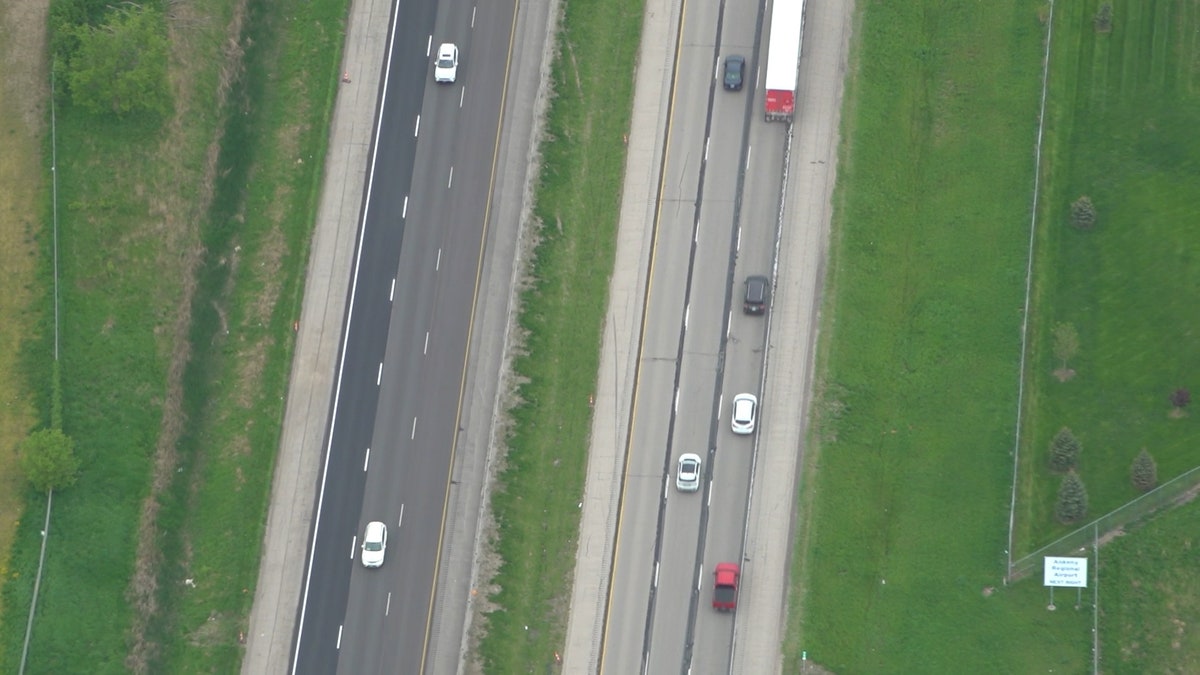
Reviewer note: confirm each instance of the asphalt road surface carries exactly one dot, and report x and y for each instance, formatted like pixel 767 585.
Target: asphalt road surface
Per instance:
pixel 397 403
pixel 719 204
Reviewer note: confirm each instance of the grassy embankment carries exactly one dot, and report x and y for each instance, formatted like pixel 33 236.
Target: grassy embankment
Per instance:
pixel 577 202
pixel 218 199
pixel 900 544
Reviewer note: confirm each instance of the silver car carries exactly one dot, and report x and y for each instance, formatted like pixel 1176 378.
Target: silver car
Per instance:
pixel 745 410
pixel 687 476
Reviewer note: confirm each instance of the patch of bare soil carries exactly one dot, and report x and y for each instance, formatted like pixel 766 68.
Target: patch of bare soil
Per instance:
pixel 1064 374
pixel 180 203
pixel 24 94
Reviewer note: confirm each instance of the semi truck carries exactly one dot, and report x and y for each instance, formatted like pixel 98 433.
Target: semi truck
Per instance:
pixel 725 586
pixel 783 59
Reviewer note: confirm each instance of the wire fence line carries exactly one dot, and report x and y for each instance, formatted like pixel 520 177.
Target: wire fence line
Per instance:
pixel 1175 491
pixel 55 420
pixel 1037 172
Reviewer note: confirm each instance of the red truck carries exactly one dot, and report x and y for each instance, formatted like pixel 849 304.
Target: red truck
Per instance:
pixel 725 586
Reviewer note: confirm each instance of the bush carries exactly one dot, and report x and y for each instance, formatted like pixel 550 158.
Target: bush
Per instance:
pixel 120 67
pixel 48 460
pixel 1144 472
pixel 1083 213
pixel 1103 18
pixel 1181 397
pixel 1072 499
pixel 1064 450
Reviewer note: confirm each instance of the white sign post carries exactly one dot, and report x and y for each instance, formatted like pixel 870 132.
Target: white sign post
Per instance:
pixel 1064 572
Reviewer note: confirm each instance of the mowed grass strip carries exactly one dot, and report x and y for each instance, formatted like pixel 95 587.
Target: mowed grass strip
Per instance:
pixel 901 544
pixel 1126 106
pixel 536 502
pixel 23 95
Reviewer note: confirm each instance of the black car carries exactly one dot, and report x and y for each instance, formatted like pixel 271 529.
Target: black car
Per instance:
pixel 735 71
pixel 758 292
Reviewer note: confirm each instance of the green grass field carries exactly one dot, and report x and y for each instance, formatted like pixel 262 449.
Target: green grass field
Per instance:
pixel 578 201
pixel 1122 129
pixel 135 200
pixel 1150 597
pixel 908 477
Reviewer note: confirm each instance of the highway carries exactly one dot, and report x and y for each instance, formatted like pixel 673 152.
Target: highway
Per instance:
pixel 396 411
pixel 718 205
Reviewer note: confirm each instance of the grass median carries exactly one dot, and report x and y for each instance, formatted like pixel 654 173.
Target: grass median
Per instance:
pixel 578 199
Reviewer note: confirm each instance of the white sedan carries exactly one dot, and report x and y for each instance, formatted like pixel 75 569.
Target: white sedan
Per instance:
pixel 687 477
pixel 445 68
pixel 374 544
pixel 745 410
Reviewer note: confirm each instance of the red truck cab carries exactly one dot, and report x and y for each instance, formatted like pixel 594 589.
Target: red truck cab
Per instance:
pixel 725 586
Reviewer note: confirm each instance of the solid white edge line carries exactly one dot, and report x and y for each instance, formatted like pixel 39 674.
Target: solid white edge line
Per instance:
pixel 342 361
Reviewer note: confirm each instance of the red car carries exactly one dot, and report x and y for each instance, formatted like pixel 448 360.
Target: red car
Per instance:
pixel 725 586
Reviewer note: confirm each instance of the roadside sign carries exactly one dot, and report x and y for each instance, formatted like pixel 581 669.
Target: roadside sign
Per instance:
pixel 1065 572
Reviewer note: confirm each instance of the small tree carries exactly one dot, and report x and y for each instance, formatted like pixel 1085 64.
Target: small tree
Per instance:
pixel 1072 499
pixel 48 460
pixel 1144 472
pixel 1083 213
pixel 1181 397
pixel 1064 450
pixel 1103 19
pixel 1066 346
pixel 120 67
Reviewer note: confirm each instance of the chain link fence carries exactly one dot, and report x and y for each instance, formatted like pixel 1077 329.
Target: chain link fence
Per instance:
pixel 1175 491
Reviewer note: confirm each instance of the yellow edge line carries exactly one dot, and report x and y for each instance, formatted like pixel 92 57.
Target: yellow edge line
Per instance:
pixel 642 339
pixel 462 384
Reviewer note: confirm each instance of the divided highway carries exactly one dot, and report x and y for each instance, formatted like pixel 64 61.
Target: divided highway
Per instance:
pixel 718 209
pixel 396 409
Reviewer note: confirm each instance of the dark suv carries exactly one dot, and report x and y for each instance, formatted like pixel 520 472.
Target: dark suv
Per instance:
pixel 735 71
pixel 758 293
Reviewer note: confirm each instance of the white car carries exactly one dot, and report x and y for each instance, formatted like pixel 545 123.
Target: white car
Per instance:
pixel 687 476
pixel 745 409
pixel 445 68
pixel 374 544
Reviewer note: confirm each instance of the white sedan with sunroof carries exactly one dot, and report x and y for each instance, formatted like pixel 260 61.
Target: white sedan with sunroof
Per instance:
pixel 745 410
